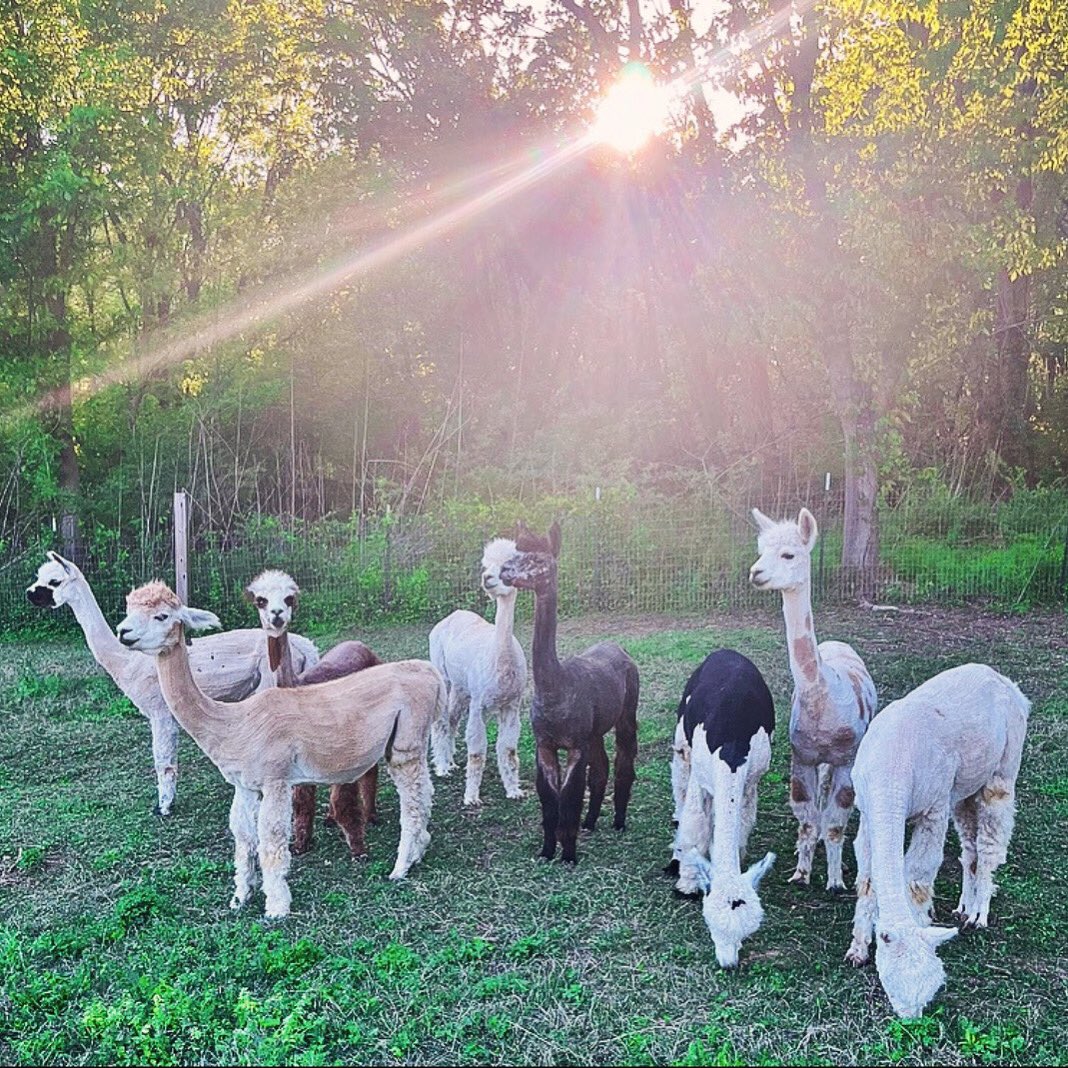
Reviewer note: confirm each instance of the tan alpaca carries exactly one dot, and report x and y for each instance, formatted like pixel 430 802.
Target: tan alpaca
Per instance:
pixel 328 733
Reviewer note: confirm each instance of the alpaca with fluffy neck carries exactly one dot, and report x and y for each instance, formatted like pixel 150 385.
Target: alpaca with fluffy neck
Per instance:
pixel 329 733
pixel 228 667
pixel 833 703
pixel 352 805
pixel 951 748
pixel 485 672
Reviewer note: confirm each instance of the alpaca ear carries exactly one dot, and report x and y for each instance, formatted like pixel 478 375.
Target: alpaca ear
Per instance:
pixel 249 595
pixel 554 537
pixel 761 868
pixel 762 521
pixel 198 618
pixel 935 936
pixel 806 523
pixel 704 870
pixel 65 564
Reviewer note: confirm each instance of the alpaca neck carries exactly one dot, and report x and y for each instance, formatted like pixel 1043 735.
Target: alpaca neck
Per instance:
pixel 203 719
pixel 727 818
pixel 107 650
pixel 279 653
pixel 885 820
pixel 805 664
pixel 503 630
pixel 546 664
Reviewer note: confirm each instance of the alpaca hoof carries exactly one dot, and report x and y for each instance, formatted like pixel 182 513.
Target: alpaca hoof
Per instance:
pixel 298 849
pixel 396 875
pixel 588 826
pixel 329 821
pixel 857 957
pixel 800 877
pixel 516 795
pixel 236 903
pixel 836 888
pixel 163 810
pixel 275 917
pixel 360 856
pixel 671 868
pixel 473 802
pixel 619 825
pixel 373 819
pixel 686 895
pixel 573 861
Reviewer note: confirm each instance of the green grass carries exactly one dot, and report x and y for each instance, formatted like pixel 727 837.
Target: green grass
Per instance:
pixel 117 945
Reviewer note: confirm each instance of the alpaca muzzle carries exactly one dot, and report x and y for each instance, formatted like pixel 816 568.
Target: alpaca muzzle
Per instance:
pixel 41 596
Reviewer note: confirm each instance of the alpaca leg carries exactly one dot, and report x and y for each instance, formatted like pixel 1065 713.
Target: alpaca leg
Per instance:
pixel 303 817
pixel 273 825
pixel 966 820
pixel 477 744
pixel 680 770
pixel 864 913
pixel 368 783
pixel 508 750
pixel 997 814
pixel 626 752
pixel 548 786
pixel 694 833
pixel 351 818
pixel 443 732
pixel 243 812
pixel 164 757
pixel 749 816
pixel 598 775
pixel 572 792
pixel 836 813
pixel 414 792
pixel 923 858
pixel 804 803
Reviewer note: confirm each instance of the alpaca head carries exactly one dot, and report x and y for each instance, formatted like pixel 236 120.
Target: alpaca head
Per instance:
pixel 155 616
pixel 731 907
pixel 274 594
pixel 54 584
pixel 908 965
pixel 785 560
pixel 533 567
pixel 496 554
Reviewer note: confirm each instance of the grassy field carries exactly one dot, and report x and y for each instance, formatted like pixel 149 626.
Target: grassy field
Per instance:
pixel 117 945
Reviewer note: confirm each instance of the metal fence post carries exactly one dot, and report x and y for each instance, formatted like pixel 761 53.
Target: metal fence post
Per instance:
pixel 181 546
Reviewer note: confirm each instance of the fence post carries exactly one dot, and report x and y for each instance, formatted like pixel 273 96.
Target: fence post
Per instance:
pixel 181 545
pixel 1064 565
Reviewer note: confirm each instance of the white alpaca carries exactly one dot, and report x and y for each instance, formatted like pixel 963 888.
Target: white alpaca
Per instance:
pixel 833 703
pixel 328 733
pixel 951 747
pixel 229 666
pixel 485 673
pixel 726 719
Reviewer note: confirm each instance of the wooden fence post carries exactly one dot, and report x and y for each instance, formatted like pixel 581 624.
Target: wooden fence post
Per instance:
pixel 181 546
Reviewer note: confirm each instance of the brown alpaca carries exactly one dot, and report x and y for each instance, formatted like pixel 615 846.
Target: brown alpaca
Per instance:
pixel 352 805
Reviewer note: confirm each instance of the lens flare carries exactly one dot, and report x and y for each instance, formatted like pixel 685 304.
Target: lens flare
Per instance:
pixel 633 110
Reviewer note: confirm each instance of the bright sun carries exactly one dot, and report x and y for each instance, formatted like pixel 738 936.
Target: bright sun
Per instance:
pixel 632 111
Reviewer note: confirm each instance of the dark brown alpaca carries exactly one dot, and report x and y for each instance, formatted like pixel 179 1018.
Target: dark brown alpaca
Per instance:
pixel 352 805
pixel 576 702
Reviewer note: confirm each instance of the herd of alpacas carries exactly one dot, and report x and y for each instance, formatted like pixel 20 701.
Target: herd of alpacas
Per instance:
pixel 277 720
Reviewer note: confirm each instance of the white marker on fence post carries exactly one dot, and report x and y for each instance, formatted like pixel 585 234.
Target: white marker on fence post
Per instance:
pixel 181 546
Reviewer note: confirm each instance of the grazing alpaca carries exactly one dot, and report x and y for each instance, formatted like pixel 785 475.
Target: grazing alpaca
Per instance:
pixel 263 746
pixel 951 747
pixel 352 805
pixel 833 703
pixel 726 719
pixel 575 703
pixel 227 666
pixel 485 672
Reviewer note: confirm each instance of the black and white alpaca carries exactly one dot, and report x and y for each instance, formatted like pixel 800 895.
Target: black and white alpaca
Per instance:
pixel 576 702
pixel 722 749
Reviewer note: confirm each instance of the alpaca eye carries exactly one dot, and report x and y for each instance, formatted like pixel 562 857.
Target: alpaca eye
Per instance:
pixel 787 556
pixel 261 602
pixel 290 600
pixel 54 582
pixel 162 618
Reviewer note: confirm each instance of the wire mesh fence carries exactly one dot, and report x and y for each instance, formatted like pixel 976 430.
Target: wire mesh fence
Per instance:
pixel 621 557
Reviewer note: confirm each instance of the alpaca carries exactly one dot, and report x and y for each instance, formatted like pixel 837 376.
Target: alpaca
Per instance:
pixel 228 666
pixel 950 747
pixel 485 672
pixel 263 746
pixel 833 703
pixel 352 805
pixel 726 719
pixel 575 703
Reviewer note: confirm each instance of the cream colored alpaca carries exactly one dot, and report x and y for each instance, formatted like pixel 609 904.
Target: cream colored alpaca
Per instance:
pixel 327 733
pixel 949 748
pixel 834 698
pixel 229 666
pixel 486 672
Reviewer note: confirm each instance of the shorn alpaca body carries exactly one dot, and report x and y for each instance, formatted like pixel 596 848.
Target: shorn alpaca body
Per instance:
pixel 833 703
pixel 576 702
pixel 352 805
pixel 726 719
pixel 228 667
pixel 951 748
pixel 485 672
pixel 263 746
